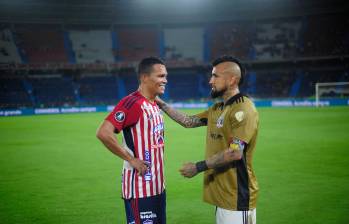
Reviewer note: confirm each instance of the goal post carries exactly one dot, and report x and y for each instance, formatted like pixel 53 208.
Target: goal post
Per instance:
pixel 330 89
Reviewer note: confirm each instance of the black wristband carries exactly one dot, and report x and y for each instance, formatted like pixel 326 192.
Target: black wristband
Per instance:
pixel 201 166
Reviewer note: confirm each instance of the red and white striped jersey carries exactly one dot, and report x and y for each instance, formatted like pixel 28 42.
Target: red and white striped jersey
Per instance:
pixel 142 125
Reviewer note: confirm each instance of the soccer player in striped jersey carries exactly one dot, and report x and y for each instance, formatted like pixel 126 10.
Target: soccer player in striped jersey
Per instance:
pixel 138 117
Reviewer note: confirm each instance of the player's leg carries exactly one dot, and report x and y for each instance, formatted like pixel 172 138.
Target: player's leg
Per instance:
pixel 132 214
pixel 224 216
pixel 161 208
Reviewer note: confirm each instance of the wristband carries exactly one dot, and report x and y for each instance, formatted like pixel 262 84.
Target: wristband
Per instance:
pixel 201 166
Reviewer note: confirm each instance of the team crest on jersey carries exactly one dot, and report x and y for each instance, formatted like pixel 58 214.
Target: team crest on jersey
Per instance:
pixel 239 116
pixel 119 116
pixel 160 140
pixel 220 121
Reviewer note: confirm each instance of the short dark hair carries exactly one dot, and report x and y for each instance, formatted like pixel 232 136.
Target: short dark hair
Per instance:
pixel 145 66
pixel 227 58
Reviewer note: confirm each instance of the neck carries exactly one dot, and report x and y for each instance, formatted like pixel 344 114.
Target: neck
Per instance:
pixel 230 93
pixel 144 92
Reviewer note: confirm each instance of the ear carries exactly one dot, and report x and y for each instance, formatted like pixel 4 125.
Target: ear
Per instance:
pixel 143 78
pixel 233 80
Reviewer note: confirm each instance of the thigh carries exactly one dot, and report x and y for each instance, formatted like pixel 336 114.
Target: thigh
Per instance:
pixel 224 216
pixel 150 210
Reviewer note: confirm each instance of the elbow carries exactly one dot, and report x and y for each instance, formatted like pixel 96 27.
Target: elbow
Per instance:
pixel 100 135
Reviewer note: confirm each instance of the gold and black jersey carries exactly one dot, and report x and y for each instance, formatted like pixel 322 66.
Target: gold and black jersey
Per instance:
pixel 234 186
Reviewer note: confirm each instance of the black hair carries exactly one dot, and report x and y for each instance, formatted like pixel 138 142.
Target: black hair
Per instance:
pixel 227 58
pixel 146 65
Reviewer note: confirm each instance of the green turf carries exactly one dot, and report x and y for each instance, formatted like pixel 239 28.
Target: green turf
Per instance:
pixel 53 170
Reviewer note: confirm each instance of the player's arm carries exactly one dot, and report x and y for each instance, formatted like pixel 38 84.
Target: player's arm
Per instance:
pixel 234 152
pixel 187 121
pixel 106 135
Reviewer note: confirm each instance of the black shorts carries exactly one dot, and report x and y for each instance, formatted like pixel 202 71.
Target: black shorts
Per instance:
pixel 149 210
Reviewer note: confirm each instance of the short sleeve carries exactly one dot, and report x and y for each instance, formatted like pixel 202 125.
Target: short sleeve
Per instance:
pixel 123 115
pixel 243 124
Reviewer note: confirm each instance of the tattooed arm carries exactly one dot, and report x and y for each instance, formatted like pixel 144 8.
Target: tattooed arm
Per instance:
pixel 183 119
pixel 223 158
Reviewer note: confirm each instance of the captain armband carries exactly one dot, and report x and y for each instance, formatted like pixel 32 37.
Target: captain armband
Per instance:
pixel 237 145
pixel 201 166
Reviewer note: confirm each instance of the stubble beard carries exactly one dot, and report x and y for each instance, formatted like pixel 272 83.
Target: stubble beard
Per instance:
pixel 219 93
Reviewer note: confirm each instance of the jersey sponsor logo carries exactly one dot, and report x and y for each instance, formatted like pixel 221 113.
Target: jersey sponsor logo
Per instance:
pixel 148 215
pixel 119 116
pixel 216 136
pixel 220 121
pixel 147 157
pixel 158 128
pixel 148 221
pixel 239 116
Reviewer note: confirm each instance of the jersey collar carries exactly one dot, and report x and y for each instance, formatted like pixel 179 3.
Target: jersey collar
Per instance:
pixel 236 98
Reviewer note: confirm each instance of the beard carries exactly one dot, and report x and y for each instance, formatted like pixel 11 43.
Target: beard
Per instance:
pixel 219 93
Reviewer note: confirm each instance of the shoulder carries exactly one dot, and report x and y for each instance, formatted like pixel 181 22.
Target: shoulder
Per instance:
pixel 241 102
pixel 216 106
pixel 242 109
pixel 131 101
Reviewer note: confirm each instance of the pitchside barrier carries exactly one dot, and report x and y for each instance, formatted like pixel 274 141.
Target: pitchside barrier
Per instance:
pixel 179 105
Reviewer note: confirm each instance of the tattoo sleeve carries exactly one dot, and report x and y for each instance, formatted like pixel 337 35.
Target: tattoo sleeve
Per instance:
pixel 223 158
pixel 181 118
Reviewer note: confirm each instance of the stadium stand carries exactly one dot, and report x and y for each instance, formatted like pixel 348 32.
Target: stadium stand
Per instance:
pixel 128 79
pixel 322 38
pixel 285 57
pixel 42 46
pixel 275 84
pixel 232 38
pixel 8 48
pixel 312 77
pixel 184 43
pixel 97 89
pixel 137 43
pixel 276 40
pixel 13 94
pixel 52 90
pixel 92 46
pixel 187 85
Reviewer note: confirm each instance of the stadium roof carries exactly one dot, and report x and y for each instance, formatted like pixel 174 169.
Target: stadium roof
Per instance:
pixel 158 11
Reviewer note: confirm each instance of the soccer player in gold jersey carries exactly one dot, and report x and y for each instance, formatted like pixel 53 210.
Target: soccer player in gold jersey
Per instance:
pixel 232 127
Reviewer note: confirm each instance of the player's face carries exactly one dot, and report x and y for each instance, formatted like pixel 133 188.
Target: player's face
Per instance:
pixel 218 82
pixel 157 79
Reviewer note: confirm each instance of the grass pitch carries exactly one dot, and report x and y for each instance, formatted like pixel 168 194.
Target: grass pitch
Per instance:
pixel 54 170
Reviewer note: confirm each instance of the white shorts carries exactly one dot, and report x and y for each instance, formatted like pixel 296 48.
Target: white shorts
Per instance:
pixel 224 216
